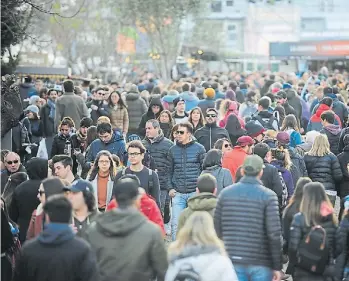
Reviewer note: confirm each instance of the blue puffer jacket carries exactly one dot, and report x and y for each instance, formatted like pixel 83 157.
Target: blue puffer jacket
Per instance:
pixel 115 146
pixel 185 166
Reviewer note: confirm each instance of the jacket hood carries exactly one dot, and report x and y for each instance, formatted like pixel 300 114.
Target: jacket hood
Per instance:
pixel 202 202
pixel 117 136
pixel 194 251
pixel 37 168
pixel 155 100
pixel 120 222
pixel 56 233
pixel 333 129
pixel 321 108
pixel 290 94
pixel 132 96
pixel 189 96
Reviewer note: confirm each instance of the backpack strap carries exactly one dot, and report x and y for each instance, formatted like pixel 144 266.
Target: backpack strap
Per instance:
pixel 150 179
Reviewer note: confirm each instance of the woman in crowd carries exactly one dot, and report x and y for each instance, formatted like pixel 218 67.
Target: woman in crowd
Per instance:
pixel 342 244
pixel 198 247
pixel 13 181
pixel 290 125
pixel 102 178
pixel 249 107
pixel 308 143
pixel 233 126
pixel 66 129
pixel 323 166
pixel 166 123
pixel 223 145
pixel 174 132
pixel 315 210
pixel 196 118
pixel 47 188
pixel 117 112
pixel 213 165
pixel 227 108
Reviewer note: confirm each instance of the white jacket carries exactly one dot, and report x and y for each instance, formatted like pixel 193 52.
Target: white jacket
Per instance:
pixel 109 189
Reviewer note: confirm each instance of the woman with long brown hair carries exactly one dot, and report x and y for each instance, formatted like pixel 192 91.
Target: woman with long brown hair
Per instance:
pixel 196 118
pixel 290 125
pixel 166 123
pixel 315 219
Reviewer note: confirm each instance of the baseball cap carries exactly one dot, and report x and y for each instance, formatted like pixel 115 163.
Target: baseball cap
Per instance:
pixel 32 108
pixel 79 186
pixel 177 100
pixel 253 164
pixel 283 138
pixel 245 140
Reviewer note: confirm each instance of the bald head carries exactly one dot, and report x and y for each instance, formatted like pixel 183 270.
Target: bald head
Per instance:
pixel 12 162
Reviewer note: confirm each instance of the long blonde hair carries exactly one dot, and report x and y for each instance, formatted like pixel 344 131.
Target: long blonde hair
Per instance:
pixel 313 196
pixel 320 147
pixel 198 230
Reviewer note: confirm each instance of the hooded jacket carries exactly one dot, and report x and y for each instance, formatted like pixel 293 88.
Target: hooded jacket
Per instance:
pixel 233 126
pixel 25 199
pixel 315 120
pixel 344 132
pixel 204 201
pixel 338 107
pixel 207 261
pixel 140 254
pixel 343 159
pixel 58 144
pixel 209 134
pixel 155 100
pixel 73 258
pixel 136 107
pixel 191 100
pixel 333 134
pixel 222 175
pixel 295 101
pixel 115 146
pixel 233 159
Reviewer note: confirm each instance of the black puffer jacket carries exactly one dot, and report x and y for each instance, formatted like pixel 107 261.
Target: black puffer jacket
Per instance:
pixel 185 166
pixel 324 169
pixel 333 134
pixel 209 134
pixel 253 237
pixel 342 247
pixel 297 232
pixel 155 100
pixel 58 144
pixel 298 168
pixel 158 150
pixel 344 132
pixel 343 159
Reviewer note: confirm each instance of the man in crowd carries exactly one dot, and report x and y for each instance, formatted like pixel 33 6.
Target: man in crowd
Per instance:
pixel 185 165
pixel 108 139
pixel 148 178
pixel 154 111
pixel 179 115
pixel 233 159
pixel 209 101
pixel 61 141
pixel 141 253
pixel 210 132
pixel 255 131
pixel 189 96
pixel 63 168
pixel 13 165
pixel 235 226
pixel 331 130
pixel 73 258
pixel 281 99
pixel 264 117
pixel 96 106
pixel 204 200
pixel 71 105
pixel 158 146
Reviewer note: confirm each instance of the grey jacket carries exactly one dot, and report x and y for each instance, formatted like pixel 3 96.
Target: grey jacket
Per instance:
pixel 70 105
pixel 205 261
pixel 222 175
pixel 136 107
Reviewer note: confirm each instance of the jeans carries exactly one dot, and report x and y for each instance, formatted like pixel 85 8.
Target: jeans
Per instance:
pixel 253 273
pixel 179 203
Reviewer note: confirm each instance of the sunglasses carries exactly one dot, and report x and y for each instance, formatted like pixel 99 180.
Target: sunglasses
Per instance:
pixel 227 145
pixel 41 192
pixel 180 132
pixel 211 115
pixel 12 162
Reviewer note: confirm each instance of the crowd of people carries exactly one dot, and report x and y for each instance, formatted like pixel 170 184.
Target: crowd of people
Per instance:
pixel 241 172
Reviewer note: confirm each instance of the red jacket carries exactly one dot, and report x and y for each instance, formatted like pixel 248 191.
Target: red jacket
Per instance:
pixel 316 118
pixel 233 159
pixel 148 208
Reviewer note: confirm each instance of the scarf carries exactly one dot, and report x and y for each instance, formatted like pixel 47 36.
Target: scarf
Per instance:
pixel 52 107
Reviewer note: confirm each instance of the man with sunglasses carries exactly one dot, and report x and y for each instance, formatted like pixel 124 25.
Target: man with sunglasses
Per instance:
pixel 210 133
pixel 13 165
pixel 185 166
pixel 96 105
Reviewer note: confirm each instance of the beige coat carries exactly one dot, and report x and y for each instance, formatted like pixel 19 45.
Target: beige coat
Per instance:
pixel 119 118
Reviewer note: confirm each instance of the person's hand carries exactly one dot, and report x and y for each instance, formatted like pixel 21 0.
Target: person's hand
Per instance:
pixel 75 229
pixel 94 107
pixel 277 275
pixel 172 193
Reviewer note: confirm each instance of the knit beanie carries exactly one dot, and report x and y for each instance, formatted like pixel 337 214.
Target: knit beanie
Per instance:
pixel 210 93
pixel 33 99
pixel 134 89
pixel 254 129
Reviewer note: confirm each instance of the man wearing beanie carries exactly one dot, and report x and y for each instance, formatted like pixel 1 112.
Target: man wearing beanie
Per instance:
pixel 255 131
pixel 179 116
pixel 208 102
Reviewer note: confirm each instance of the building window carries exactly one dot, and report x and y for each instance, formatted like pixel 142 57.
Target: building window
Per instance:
pixel 216 6
pixel 230 3
pixel 231 27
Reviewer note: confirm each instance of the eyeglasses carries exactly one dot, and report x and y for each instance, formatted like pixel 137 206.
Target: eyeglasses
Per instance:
pixel 180 132
pixel 104 161
pixel 134 154
pixel 41 192
pixel 211 115
pixel 227 145
pixel 12 162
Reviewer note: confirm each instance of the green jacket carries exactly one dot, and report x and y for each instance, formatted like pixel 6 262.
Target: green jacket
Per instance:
pixel 204 201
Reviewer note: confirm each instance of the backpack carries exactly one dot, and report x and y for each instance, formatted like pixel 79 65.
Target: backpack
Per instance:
pixel 284 190
pixel 150 178
pixel 267 123
pixel 187 273
pixel 313 251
